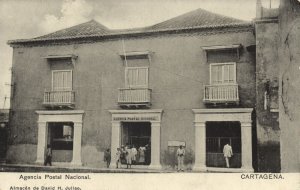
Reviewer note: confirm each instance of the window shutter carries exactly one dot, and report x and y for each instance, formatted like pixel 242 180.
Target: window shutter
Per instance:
pixel 216 72
pixel 136 77
pixel 214 75
pixel 62 80
pixel 222 73
pixel 231 73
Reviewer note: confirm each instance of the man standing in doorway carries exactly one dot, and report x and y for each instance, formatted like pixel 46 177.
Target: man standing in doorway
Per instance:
pixel 128 154
pixel 147 154
pixel 227 151
pixel 118 158
pixel 180 157
pixel 134 153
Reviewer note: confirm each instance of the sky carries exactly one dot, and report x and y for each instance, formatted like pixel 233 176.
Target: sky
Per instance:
pixel 21 19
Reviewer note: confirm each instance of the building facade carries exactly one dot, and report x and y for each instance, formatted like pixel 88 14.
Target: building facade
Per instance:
pixel 267 85
pixel 192 80
pixel 277 50
pixel 289 22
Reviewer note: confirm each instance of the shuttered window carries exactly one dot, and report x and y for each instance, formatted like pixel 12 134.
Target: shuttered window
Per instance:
pixel 61 80
pixel 136 77
pixel 223 73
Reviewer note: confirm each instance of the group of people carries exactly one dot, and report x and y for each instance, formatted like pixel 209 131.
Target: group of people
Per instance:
pixel 130 155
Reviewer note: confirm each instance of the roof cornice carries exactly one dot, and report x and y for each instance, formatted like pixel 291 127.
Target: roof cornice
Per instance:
pixel 248 26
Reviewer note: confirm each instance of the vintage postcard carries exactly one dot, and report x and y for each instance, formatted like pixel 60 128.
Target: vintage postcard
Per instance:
pixel 140 94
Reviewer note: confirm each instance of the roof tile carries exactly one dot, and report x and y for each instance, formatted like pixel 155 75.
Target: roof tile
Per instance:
pixel 85 29
pixel 195 19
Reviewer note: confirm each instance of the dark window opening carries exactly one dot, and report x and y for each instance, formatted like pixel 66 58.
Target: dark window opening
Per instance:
pixel 219 134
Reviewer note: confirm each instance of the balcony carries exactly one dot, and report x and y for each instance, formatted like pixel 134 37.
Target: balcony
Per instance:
pixel 59 99
pixel 134 97
pixel 221 94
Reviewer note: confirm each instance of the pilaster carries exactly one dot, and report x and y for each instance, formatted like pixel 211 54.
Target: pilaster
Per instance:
pixel 77 144
pixel 155 146
pixel 246 133
pixel 115 141
pixel 42 142
pixel 200 147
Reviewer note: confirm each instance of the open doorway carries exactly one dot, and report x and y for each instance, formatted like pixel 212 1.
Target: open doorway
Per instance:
pixel 217 135
pixel 137 135
pixel 60 137
pixel 3 142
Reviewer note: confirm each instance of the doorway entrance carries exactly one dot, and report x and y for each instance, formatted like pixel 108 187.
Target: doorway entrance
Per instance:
pixel 3 142
pixel 137 135
pixel 60 137
pixel 219 134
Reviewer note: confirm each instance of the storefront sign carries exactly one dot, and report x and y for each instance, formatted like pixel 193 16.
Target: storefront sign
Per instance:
pixel 136 118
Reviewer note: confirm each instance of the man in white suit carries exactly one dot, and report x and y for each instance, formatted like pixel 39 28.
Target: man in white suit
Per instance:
pixel 227 151
pixel 180 157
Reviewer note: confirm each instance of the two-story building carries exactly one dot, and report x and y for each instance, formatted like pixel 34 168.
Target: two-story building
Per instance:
pixel 190 81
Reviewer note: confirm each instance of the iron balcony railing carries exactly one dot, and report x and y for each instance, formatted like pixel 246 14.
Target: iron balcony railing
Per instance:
pixel 134 96
pixel 224 93
pixel 59 98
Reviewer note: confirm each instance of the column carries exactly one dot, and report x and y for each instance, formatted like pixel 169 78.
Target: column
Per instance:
pixel 246 146
pixel 200 147
pixel 115 142
pixel 41 145
pixel 155 146
pixel 77 144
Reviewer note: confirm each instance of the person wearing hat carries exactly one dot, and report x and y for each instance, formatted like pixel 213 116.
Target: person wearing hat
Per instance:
pixel 180 157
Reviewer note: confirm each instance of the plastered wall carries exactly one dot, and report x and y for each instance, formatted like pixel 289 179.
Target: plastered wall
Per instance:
pixel 178 71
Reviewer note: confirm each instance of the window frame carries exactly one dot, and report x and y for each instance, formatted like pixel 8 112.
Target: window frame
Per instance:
pixel 136 86
pixel 222 64
pixel 52 80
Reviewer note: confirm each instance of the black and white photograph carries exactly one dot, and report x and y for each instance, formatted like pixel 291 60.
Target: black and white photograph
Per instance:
pixel 141 94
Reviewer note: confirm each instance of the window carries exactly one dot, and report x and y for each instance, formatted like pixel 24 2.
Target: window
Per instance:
pixel 136 77
pixel 222 73
pixel 61 136
pixel 61 80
